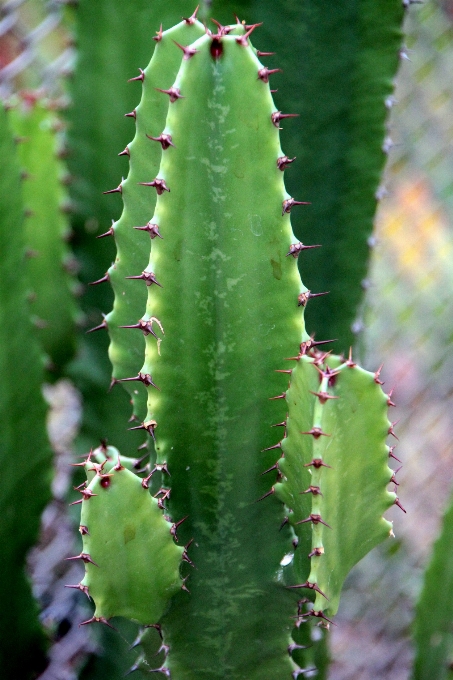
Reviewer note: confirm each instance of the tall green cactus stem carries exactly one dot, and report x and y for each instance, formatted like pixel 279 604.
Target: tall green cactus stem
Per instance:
pixel 338 69
pixel 432 625
pixel 25 456
pixel 224 285
pixel 50 266
pixel 126 349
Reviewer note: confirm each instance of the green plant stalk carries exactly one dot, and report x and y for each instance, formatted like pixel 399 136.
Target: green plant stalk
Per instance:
pixel 113 39
pixel 50 274
pixel 224 286
pixel 25 456
pixel 432 632
pixel 338 69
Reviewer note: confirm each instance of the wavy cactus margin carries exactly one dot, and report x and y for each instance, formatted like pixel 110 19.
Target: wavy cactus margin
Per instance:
pixel 223 283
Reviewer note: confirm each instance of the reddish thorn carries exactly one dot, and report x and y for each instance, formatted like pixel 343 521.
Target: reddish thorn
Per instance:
pixel 277 116
pixel 83 463
pixel 316 432
pixel 105 278
pixel 280 396
pixel 390 430
pixel 269 448
pixel 184 587
pixel 98 328
pixel 282 370
pixel 392 455
pixel 84 530
pixel 320 615
pixel 274 467
pixel 296 248
pixel 315 490
pixel 316 552
pixel 389 398
pixel 163 139
pixel 326 372
pixel 284 161
pixel 393 477
pixel 145 378
pixel 87 494
pixel 264 73
pixel 84 557
pixel 264 54
pixel 158 184
pixel 315 519
pixel 118 190
pixel 140 77
pixel 311 586
pixel 223 30
pixel 148 277
pixel 282 424
pixel 146 325
pixel 303 298
pixel 125 152
pixel 174 527
pixel 132 114
pixel 273 91
pixel 377 374
pixel 149 426
pixel 188 51
pixel 323 396
pixel 317 463
pixel 158 36
pixel 83 589
pixel 173 92
pixel 97 619
pixel 269 493
pixel 191 20
pixel 109 232
pixel 285 521
pixel 157 627
pixel 350 363
pixel 152 229
pixel 397 502
pixel 288 203
pixel 242 39
pixel 113 382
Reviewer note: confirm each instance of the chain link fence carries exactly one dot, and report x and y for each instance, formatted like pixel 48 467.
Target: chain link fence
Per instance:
pixel 408 322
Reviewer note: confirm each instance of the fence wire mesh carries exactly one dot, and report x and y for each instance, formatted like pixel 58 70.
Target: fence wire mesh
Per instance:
pixel 35 50
pixel 408 326
pixel 407 317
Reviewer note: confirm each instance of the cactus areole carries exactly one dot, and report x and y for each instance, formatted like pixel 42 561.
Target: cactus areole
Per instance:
pixel 259 494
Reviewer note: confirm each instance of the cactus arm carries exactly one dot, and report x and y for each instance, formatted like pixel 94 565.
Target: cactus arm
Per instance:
pixel 432 624
pixel 25 457
pixel 337 73
pixel 335 442
pixel 223 215
pixel 131 561
pixel 126 348
pixel 51 285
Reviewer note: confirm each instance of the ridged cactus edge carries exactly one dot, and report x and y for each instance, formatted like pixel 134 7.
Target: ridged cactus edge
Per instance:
pixel 271 522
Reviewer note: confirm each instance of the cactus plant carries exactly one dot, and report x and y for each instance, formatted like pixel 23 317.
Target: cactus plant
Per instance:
pixel 25 456
pixel 225 308
pixel 432 624
pixel 51 266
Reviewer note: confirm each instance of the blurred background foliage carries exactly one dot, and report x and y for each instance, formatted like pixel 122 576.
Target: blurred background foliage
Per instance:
pixel 405 321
